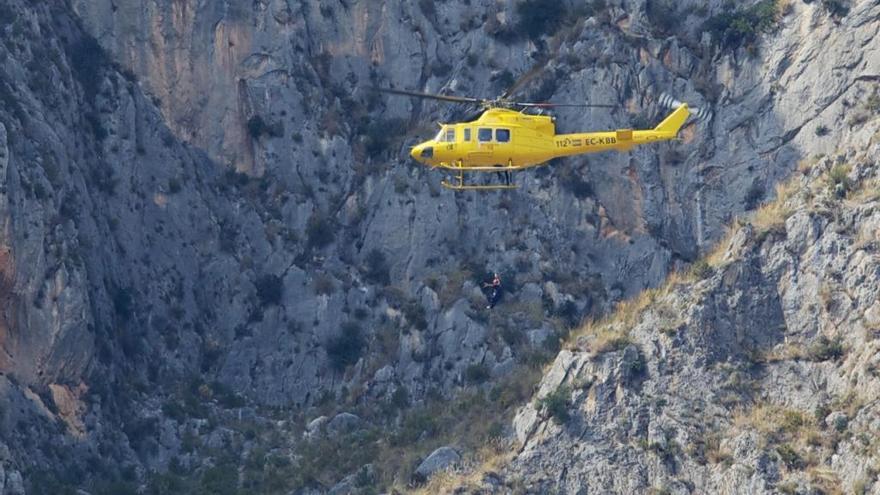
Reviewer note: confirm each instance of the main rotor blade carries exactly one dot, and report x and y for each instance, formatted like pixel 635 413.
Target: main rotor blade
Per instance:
pixel 552 105
pixel 417 94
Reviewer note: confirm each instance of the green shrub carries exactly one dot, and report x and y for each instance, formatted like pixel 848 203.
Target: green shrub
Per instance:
pixel 826 349
pixel 258 127
pixel 323 285
pixel 536 18
pixel 378 135
pixel 319 231
pixel 226 397
pixel 376 268
pixel 735 29
pixel 637 367
pixel 7 16
pixel 556 403
pixel 476 373
pixel 122 303
pixel 821 412
pixel 790 457
pixel 504 80
pixel 269 289
pixel 345 349
pixel 576 184
pixel 400 398
pixel 840 424
pixel 174 186
pixel 220 480
pixel 88 59
pixel 415 314
pixel 701 270
pixel 872 104
pixel 838 178
pixel 754 196
pixel 512 336
pixel 664 15
pixel 837 8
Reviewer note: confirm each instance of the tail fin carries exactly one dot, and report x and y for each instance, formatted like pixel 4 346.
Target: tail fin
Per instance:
pixel 674 121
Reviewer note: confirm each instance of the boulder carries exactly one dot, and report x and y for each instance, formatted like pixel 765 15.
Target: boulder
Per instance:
pixel 440 459
pixel 343 423
pixel 315 427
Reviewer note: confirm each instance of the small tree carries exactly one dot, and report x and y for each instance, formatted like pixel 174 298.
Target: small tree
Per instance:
pixel 556 404
pixel 345 349
pixel 536 18
pixel 269 289
pixel 476 373
pixel 376 268
pixel 319 231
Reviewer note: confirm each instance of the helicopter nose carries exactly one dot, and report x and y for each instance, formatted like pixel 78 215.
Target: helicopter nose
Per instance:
pixel 414 153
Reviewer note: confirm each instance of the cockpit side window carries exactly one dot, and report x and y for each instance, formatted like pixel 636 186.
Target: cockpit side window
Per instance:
pixel 450 135
pixel 484 134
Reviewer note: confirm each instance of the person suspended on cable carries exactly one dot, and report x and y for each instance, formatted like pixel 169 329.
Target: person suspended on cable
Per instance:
pixel 495 293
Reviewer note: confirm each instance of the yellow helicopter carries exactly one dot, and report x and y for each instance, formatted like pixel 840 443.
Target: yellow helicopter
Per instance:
pixel 506 140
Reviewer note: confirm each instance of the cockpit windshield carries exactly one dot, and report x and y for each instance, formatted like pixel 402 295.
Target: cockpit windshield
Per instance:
pixel 446 135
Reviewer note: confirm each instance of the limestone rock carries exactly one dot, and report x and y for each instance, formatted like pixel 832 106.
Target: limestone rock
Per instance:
pixel 440 459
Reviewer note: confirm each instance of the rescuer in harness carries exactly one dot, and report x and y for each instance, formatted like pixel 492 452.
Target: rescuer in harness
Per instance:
pixel 494 294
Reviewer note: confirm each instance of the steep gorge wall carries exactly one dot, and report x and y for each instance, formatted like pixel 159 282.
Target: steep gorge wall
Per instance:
pixel 138 262
pixel 596 228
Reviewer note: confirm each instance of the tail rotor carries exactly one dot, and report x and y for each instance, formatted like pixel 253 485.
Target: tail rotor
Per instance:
pixel 668 101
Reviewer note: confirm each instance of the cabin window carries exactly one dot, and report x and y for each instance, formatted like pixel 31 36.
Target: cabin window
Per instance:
pixel 450 135
pixel 484 135
pixel 502 135
pixel 467 134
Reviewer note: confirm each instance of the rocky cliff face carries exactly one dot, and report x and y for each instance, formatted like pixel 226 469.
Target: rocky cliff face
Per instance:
pixel 754 374
pixel 582 235
pixel 209 223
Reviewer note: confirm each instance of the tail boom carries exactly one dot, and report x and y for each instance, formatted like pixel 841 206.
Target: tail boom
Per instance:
pixel 621 140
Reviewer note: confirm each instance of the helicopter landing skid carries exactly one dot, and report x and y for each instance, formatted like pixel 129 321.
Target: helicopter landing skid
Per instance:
pixel 458 183
pixel 477 187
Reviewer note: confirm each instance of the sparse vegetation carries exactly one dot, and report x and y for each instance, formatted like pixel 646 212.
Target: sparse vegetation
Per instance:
pixel 536 19
pixel 376 269
pixel 270 288
pixel 837 8
pixel 664 15
pixel 825 349
pixel 258 127
pixel 346 348
pixel 88 60
pixel 476 373
pixel 733 29
pixel 556 403
pixel 789 456
pixel 378 135
pixel 754 196
pixel 838 180
pixel 701 270
pixel 323 284
pixel 319 231
pixel 772 216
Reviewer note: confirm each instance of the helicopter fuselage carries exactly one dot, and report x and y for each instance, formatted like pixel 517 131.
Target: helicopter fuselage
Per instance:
pixel 507 140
